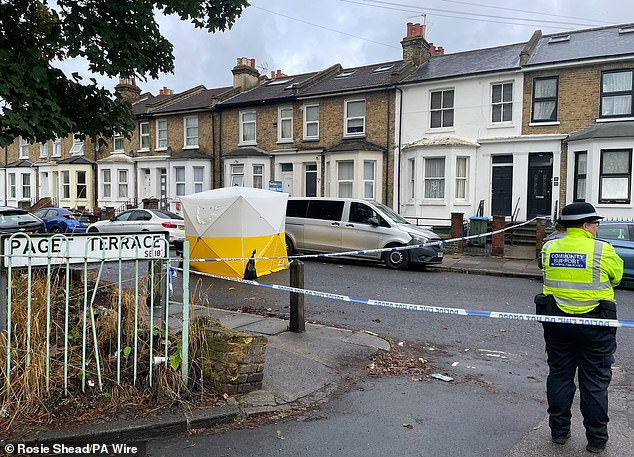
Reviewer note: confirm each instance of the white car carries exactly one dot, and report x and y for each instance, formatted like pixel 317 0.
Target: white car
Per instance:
pixel 144 220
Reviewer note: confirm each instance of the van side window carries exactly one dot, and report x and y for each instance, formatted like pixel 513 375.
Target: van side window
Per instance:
pixel 296 208
pixel 324 209
pixel 361 213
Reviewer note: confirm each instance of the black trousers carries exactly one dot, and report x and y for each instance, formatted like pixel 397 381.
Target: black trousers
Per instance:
pixel 590 351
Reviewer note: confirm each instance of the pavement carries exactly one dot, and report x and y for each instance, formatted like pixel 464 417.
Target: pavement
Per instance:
pixel 317 360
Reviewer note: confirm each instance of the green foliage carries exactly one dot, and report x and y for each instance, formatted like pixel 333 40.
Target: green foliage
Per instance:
pixel 126 352
pixel 177 357
pixel 38 101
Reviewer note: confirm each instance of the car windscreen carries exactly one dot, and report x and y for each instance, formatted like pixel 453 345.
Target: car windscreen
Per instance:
pixel 392 214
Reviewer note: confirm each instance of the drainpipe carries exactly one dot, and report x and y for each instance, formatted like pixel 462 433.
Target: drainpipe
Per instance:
pixel 6 175
pixel 95 173
pixel 397 181
pixel 387 150
pixel 221 168
pixel 213 149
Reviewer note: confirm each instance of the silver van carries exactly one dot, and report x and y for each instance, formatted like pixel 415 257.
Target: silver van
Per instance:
pixel 326 225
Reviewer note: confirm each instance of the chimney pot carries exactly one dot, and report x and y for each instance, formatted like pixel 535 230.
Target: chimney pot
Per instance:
pixel 279 73
pixel 272 74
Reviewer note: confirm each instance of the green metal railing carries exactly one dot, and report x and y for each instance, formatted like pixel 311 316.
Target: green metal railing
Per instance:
pixel 58 260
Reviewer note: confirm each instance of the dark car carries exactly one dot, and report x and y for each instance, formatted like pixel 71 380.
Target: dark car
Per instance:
pixel 61 220
pixel 619 234
pixel 14 220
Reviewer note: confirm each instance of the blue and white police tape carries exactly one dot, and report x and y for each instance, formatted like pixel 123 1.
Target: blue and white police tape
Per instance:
pixel 369 251
pixel 627 323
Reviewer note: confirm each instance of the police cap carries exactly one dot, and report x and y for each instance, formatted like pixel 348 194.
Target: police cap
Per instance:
pixel 578 212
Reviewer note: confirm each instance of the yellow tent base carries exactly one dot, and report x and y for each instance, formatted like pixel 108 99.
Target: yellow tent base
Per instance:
pixel 222 248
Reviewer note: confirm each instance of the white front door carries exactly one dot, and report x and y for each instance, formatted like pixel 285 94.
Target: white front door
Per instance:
pixel 287 182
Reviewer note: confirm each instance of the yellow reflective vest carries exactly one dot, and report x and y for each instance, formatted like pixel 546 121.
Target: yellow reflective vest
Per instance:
pixel 579 271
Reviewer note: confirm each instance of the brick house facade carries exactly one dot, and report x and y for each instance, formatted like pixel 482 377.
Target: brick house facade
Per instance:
pixel 578 86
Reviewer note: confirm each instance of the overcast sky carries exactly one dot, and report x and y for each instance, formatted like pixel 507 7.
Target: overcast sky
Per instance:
pixel 299 36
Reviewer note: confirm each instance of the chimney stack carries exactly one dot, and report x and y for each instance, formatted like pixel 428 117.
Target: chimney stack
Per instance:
pixel 245 75
pixel 415 48
pixel 166 91
pixel 128 89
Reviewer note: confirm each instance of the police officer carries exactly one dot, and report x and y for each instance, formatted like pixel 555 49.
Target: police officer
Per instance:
pixel 579 275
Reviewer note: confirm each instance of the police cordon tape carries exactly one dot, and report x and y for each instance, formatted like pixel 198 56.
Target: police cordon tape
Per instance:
pixel 627 323
pixel 371 251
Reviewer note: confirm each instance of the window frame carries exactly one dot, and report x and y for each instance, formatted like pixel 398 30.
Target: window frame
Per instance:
pixel 248 141
pixel 629 92
pixel 535 100
pixel 283 119
pixel 25 185
pixel 123 184
pixel 503 104
pixel 12 179
pixel 578 176
pixel 65 178
pixel 57 147
pixel 443 110
pixel 79 185
pixel 464 179
pixel 24 148
pixel 44 150
pixel 307 122
pixel 371 181
pixel 187 138
pixel 199 184
pixel 441 179
pixel 180 185
pixel 106 183
pixel 348 118
pixel 627 175
pixel 159 131
pixel 257 174
pixel 233 174
pixel 144 136
pixel 346 181
pixel 118 143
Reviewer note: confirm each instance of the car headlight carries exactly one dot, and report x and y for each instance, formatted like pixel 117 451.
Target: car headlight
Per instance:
pixel 419 239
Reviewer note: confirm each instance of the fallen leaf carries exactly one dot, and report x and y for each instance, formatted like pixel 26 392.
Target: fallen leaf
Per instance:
pixel 279 435
pixel 410 426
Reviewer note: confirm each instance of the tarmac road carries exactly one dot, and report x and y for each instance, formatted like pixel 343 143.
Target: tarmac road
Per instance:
pixel 500 364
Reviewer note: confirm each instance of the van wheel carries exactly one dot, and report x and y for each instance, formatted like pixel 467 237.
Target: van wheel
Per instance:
pixel 396 260
pixel 93 230
pixel 290 249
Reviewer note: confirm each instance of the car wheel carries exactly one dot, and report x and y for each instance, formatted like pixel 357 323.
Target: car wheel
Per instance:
pixel 56 229
pixel 396 260
pixel 93 230
pixel 290 249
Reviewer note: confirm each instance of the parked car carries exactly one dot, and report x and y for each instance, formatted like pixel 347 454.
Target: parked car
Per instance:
pixel 61 220
pixel 13 220
pixel 144 220
pixel 327 225
pixel 621 235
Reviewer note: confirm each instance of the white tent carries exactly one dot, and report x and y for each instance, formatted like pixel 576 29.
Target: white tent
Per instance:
pixel 233 222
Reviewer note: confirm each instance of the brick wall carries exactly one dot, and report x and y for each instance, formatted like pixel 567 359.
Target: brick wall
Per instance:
pixel 331 124
pixel 579 98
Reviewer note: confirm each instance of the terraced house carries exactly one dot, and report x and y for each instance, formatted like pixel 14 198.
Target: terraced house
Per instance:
pixel 578 91
pixel 326 133
pixel 517 130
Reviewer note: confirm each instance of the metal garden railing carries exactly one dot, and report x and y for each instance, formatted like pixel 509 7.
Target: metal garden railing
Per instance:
pixel 56 259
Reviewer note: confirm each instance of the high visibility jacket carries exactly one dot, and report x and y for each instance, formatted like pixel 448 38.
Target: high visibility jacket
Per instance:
pixel 579 271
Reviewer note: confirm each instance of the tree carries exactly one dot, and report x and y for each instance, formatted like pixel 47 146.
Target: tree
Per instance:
pixel 118 38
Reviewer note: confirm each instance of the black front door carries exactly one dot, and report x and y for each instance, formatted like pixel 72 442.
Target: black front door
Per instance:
pixel 502 191
pixel 540 173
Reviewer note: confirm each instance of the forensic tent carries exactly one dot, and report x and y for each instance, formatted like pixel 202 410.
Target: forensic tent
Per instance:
pixel 233 222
